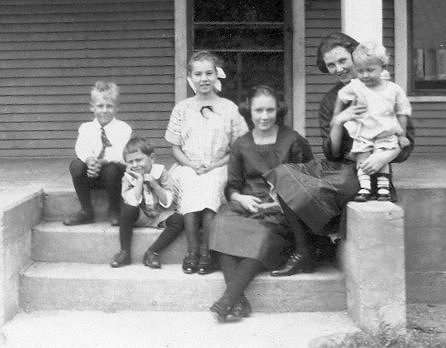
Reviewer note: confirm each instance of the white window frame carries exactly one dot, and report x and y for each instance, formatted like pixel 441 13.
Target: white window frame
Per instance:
pixel 401 53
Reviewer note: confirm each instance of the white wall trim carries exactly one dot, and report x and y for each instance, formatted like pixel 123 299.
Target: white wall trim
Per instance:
pixel 298 66
pixel 180 50
pixel 362 19
pixel 400 8
pixel 427 99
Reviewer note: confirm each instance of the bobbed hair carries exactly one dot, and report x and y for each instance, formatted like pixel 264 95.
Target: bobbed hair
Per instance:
pixel 203 55
pixel 331 41
pixel 136 144
pixel 370 50
pixel 245 107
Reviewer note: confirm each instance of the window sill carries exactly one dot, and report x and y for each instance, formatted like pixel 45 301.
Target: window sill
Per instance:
pixel 427 99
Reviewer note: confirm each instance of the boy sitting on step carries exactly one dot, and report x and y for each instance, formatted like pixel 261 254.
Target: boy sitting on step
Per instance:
pixel 99 154
pixel 148 199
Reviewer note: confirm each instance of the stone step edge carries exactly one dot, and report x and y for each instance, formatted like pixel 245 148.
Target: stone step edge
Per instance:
pixel 70 270
pixel 96 227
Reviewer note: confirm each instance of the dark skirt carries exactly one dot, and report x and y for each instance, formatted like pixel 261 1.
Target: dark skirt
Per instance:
pixel 316 191
pixel 238 233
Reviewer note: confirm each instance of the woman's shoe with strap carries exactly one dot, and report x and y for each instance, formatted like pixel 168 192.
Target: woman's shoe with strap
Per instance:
pixel 190 263
pixel 205 265
pixel 224 312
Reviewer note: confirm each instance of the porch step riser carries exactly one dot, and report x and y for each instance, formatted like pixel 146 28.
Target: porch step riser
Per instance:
pixel 58 205
pixel 170 290
pixel 97 244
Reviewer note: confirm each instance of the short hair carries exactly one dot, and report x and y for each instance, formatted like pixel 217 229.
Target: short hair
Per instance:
pixel 108 90
pixel 256 91
pixel 371 50
pixel 136 144
pixel 331 41
pixel 203 55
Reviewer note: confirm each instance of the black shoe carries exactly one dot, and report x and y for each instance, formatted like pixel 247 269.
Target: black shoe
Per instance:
pixel 224 313
pixel 363 195
pixel 242 308
pixel 79 218
pixel 205 265
pixel 151 259
pixel 383 194
pixel 297 263
pixel 190 263
pixel 114 217
pixel 120 259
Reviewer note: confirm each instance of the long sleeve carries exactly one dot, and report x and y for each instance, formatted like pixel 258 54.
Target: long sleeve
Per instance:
pixel 84 147
pixel 235 172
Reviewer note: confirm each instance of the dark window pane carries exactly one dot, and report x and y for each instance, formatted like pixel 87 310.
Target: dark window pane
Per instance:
pixel 428 45
pixel 234 38
pixel 238 11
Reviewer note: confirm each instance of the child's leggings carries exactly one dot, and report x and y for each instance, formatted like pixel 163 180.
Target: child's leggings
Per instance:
pixel 129 214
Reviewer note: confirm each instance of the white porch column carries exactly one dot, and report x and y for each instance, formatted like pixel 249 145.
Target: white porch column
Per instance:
pixel 180 50
pixel 362 19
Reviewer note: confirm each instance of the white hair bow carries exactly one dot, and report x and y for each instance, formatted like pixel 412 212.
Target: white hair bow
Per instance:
pixel 220 75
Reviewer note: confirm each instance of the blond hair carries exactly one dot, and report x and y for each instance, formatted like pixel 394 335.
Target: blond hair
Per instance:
pixel 108 90
pixel 371 50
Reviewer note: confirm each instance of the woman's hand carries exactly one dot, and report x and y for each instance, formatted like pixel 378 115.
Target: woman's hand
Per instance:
pixel 248 202
pixel 379 159
pixel 353 112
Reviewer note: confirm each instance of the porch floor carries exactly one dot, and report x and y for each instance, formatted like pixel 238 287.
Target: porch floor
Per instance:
pixel 419 171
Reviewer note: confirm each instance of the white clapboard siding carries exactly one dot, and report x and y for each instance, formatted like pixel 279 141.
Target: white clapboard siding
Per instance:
pixel 52 52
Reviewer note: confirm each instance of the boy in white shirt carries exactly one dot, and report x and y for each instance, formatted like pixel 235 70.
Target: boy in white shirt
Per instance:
pixel 99 149
pixel 148 201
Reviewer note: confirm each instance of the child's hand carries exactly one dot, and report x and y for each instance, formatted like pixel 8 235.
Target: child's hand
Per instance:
pixel 204 169
pixel 403 141
pixel 150 179
pixel 134 178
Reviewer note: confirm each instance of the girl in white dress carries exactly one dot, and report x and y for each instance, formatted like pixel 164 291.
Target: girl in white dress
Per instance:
pixel 201 130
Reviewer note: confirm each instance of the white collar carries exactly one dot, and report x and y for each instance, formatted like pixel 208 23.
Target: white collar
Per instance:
pixel 96 122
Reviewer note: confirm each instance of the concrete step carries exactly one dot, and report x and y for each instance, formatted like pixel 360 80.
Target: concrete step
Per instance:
pixel 96 243
pixel 57 204
pixel 44 329
pixel 81 286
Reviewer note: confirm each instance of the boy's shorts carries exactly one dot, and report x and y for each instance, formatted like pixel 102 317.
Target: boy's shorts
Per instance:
pixel 366 145
pixel 158 221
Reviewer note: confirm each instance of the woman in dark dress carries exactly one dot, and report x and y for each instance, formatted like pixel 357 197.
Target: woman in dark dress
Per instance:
pixel 321 189
pixel 250 232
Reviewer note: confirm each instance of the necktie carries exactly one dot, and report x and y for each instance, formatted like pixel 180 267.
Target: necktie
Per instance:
pixel 105 143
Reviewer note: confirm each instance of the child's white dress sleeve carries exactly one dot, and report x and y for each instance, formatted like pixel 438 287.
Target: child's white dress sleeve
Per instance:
pixel 402 103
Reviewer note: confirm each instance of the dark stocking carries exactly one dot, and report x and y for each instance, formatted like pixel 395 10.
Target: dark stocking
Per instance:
pixel 242 277
pixel 174 226
pixel 191 225
pixel 228 264
pixel 128 217
pixel 301 236
pixel 208 217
